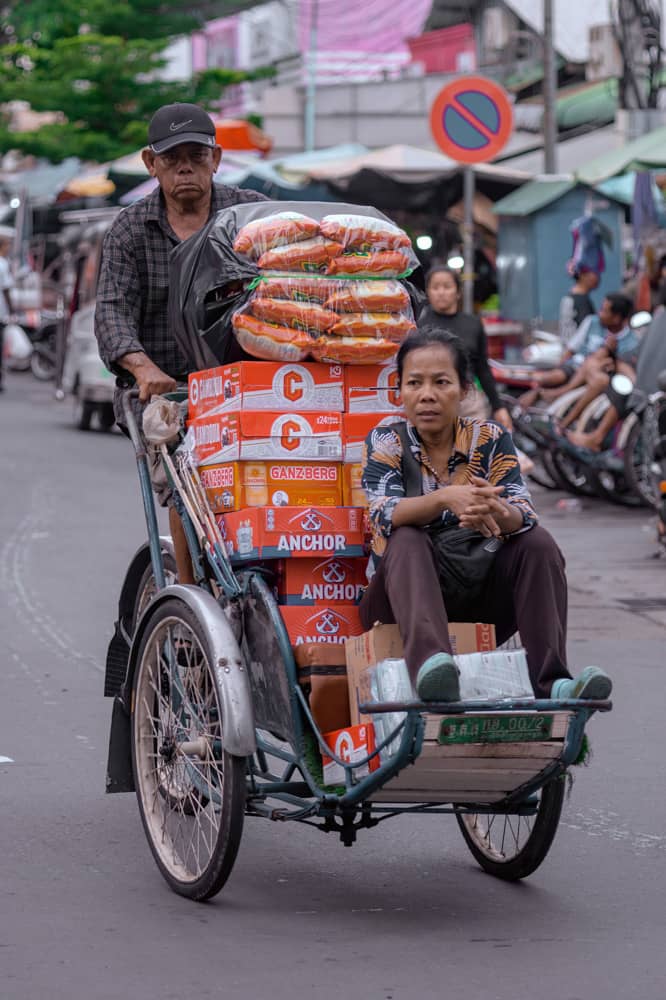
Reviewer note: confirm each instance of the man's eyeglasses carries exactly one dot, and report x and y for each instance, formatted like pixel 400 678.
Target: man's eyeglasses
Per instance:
pixel 197 155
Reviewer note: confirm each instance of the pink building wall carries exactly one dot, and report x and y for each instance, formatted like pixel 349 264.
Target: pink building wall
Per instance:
pixel 217 45
pixel 353 26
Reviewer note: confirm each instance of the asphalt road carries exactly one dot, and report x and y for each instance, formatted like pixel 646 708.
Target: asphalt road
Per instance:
pixel 405 913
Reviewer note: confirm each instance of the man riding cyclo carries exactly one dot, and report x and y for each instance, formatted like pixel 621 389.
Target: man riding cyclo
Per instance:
pixel 131 322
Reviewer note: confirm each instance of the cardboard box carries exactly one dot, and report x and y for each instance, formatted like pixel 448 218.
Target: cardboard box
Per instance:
pixel 258 435
pixel 383 642
pixel 322 581
pixel 351 744
pixel 233 485
pixel 355 429
pixel 333 623
pixel 278 532
pixel 353 494
pixel 265 385
pixel 372 388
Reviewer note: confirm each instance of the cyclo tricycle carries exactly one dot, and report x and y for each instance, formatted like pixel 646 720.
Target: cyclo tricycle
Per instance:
pixel 210 723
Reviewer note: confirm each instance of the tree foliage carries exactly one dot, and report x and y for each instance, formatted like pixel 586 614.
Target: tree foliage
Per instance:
pixel 97 64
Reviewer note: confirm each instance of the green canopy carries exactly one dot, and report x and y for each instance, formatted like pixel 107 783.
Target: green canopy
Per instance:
pixel 646 153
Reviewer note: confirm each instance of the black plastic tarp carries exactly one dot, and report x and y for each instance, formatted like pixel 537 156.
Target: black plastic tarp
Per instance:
pixel 209 281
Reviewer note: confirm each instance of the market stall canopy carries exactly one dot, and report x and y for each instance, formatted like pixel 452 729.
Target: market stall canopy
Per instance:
pixel 408 177
pixel 570 152
pixel 645 153
pixel 280 179
pixel 42 183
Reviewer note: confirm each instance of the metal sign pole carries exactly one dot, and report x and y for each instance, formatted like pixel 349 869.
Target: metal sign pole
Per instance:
pixel 468 239
pixel 310 117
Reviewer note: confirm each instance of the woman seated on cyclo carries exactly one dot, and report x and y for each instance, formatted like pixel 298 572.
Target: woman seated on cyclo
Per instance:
pixel 469 478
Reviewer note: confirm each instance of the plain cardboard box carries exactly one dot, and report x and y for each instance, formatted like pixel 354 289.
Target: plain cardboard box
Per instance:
pixel 383 642
pixel 266 385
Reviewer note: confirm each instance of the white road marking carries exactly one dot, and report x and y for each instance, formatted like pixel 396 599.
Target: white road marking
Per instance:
pixel 6 760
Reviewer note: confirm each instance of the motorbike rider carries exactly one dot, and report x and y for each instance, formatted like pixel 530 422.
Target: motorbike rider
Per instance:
pixel 131 323
pixel 599 340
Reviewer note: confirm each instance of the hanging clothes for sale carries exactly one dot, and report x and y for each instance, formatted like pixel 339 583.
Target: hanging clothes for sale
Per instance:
pixel 589 235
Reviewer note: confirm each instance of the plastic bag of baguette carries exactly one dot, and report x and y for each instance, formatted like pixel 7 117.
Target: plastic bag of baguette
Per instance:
pixel 288 281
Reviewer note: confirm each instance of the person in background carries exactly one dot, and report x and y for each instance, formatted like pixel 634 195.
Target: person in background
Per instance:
pixel 586 358
pixel 443 311
pixel 6 284
pixel 577 304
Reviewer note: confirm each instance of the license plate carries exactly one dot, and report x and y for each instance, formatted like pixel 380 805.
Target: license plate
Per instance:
pixel 495 728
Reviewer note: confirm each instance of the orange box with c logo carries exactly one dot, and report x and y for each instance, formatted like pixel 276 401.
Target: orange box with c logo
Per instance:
pixel 266 385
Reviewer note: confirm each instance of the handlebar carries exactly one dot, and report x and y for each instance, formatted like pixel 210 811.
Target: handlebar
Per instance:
pixel 130 422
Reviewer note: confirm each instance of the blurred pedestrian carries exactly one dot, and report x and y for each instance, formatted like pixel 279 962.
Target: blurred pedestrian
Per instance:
pixel 131 317
pixel 577 304
pixel 6 284
pixel 443 289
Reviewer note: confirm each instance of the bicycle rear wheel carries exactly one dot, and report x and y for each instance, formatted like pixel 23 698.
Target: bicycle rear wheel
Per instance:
pixel 512 847
pixel 191 792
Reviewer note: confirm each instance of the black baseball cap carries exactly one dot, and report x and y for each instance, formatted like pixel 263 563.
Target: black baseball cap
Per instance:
pixel 174 124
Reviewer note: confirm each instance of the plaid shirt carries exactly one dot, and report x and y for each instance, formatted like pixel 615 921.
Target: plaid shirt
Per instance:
pixel 481 448
pixel 133 288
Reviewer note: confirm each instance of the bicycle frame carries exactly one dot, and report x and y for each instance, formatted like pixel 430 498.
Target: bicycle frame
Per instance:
pixel 305 800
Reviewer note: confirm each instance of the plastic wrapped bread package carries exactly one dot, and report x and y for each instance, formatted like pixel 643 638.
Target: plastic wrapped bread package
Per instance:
pixel 287 282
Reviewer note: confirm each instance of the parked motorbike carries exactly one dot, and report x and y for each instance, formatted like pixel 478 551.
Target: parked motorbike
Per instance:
pixel 43 361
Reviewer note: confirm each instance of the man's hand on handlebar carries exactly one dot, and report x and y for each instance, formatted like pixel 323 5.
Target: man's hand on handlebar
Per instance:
pixel 150 380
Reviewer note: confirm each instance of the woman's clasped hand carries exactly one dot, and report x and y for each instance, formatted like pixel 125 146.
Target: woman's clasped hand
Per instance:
pixel 478 505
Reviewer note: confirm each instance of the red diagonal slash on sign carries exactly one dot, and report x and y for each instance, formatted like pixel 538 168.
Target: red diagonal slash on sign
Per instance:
pixel 472 120
pixel 492 139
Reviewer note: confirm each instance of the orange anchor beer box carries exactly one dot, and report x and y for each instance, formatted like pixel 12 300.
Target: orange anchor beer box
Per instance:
pixel 321 623
pixel 329 580
pixel 265 385
pixel 280 532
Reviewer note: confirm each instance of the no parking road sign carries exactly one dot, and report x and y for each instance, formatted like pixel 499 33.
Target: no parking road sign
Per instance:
pixel 471 119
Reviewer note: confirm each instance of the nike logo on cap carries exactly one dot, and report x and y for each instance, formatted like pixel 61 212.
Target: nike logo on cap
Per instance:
pixel 174 126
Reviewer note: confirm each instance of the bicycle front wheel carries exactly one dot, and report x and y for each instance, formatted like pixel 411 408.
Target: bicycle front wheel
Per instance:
pixel 191 792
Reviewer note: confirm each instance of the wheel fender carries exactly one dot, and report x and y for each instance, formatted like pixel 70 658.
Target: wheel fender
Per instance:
pixel 625 430
pixel 135 571
pixel 117 654
pixel 232 677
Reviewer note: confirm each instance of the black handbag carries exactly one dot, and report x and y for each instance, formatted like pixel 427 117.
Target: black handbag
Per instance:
pixel 464 556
